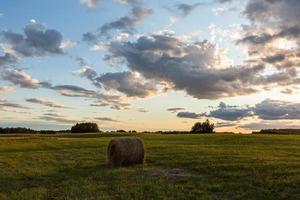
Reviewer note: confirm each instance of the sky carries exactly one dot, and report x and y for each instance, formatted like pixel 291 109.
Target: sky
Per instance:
pixel 150 65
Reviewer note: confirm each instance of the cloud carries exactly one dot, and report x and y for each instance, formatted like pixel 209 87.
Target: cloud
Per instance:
pixel 37 40
pixel 186 66
pixel 174 110
pixel 266 110
pixel 273 35
pixel 276 110
pixel 5 103
pixel 19 77
pixel 127 23
pixel 45 102
pixel 73 91
pixel 115 101
pixel 106 119
pixel 68 44
pixel 225 124
pixel 271 125
pixel 127 83
pixel 88 73
pixel 63 120
pixel 6 90
pixel 185 9
pixel 229 113
pixel 219 10
pixel 91 4
pixel 7 58
pixel 190 115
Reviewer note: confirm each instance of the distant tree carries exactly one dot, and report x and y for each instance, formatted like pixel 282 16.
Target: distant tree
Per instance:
pixel 204 127
pixel 121 131
pixel 86 127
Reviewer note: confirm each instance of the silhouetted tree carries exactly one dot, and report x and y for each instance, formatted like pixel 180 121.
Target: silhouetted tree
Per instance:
pixel 86 127
pixel 121 131
pixel 204 127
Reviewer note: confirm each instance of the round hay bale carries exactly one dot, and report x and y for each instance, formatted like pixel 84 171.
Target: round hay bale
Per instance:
pixel 125 151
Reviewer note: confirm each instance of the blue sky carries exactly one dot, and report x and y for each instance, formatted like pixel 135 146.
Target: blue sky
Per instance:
pixel 149 65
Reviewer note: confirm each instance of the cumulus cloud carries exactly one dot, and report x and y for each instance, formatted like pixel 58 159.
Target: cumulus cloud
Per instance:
pixel 127 83
pixel 37 40
pixel 125 24
pixel 7 58
pixel 229 113
pixel 271 125
pixel 19 77
pixel 276 110
pixel 266 110
pixel 274 33
pixel 45 102
pixel 186 66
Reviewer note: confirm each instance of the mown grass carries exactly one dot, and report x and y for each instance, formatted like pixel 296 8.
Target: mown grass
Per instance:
pixel 178 167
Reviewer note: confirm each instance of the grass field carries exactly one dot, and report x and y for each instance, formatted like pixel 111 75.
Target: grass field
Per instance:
pixel 178 167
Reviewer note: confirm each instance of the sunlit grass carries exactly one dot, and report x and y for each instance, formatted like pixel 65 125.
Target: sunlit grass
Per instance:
pixel 178 167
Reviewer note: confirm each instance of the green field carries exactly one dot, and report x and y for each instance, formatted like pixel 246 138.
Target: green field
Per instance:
pixel 178 167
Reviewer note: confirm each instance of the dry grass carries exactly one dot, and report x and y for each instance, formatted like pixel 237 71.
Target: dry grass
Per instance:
pixel 125 151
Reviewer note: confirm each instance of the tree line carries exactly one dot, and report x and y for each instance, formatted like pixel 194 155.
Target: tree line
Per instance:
pixel 88 127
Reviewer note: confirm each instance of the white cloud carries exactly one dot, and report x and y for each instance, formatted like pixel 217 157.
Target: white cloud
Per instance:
pixel 68 44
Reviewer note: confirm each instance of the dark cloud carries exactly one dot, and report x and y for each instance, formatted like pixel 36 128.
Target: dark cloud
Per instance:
pixel 126 23
pixel 108 119
pixel 36 41
pixel 45 102
pixel 73 91
pixel 174 110
pixel 82 61
pixel 185 9
pixel 7 58
pixel 19 77
pixel 271 125
pixel 266 110
pixel 90 38
pixel 88 73
pixel 274 58
pixel 272 22
pixel 190 115
pixel 230 114
pixel 99 105
pixel 185 66
pixel 225 124
pixel 276 110
pixel 262 39
pixel 128 83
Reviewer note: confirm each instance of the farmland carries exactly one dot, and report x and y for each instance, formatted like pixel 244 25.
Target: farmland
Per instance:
pixel 215 166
